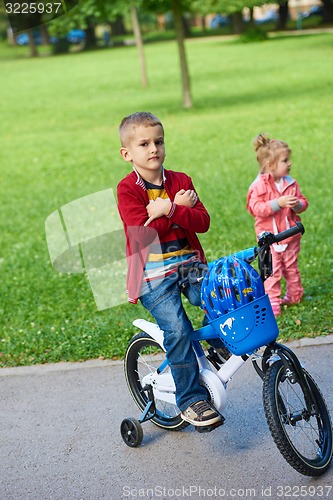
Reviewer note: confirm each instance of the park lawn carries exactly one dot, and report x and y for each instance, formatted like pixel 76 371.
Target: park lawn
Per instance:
pixel 59 137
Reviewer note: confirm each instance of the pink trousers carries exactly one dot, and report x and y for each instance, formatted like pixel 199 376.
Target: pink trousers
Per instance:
pixel 285 265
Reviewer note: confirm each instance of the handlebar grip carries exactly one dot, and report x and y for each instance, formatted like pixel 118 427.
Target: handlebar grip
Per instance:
pixel 299 228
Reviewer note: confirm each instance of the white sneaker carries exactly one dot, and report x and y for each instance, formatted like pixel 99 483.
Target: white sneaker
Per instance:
pixel 200 414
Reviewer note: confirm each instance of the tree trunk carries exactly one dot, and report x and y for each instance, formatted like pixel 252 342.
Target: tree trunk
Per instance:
pixel 237 23
pixel 328 11
pixel 251 23
pixel 44 34
pixel 187 100
pixel 32 45
pixel 118 27
pixel 91 42
pixel 283 16
pixel 186 27
pixel 139 44
pixel 10 36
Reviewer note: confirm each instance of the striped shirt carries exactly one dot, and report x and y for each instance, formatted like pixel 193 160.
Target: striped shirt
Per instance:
pixel 172 250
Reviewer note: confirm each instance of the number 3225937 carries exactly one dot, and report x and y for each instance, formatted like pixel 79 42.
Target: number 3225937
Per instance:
pixel 33 8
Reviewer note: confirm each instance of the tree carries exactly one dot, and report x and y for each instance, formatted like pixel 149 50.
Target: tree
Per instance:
pixel 84 16
pixel 179 27
pixel 139 44
pixel 328 11
pixel 232 8
pixel 178 7
pixel 283 15
pixel 91 12
pixel 26 23
pixel 32 43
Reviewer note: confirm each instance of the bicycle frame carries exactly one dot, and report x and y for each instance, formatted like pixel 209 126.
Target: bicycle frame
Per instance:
pixel 215 381
pixel 162 387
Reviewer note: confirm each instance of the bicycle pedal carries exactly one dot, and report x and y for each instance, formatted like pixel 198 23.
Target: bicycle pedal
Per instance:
pixel 210 428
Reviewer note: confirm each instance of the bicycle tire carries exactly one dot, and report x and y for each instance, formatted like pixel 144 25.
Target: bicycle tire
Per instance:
pixel 304 440
pixel 143 356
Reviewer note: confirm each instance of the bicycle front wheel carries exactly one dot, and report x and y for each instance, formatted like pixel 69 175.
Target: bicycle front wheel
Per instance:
pixel 143 356
pixel 303 438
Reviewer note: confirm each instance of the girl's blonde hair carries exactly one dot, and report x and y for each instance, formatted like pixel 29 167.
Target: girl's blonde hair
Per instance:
pixel 268 150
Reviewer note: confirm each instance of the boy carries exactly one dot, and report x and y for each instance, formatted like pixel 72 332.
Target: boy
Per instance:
pixel 154 202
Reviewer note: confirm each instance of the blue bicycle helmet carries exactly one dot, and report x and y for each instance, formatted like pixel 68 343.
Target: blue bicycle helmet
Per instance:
pixel 229 283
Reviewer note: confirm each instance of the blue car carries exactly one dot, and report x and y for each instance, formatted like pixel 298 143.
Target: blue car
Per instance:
pixel 316 10
pixel 76 36
pixel 23 39
pixel 271 16
pixel 219 21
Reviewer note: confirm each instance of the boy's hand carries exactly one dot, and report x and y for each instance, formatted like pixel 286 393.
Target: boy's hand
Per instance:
pixel 288 201
pixel 186 198
pixel 157 209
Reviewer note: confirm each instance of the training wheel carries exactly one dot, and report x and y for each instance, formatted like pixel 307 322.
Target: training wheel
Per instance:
pixel 131 432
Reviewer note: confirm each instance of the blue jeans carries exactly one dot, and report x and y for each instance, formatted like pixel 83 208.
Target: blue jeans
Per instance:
pixel 165 303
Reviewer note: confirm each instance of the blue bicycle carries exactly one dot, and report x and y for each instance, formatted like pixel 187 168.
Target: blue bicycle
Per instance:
pixel 295 410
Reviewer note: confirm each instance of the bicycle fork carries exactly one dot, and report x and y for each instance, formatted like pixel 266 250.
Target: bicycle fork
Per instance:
pixel 295 373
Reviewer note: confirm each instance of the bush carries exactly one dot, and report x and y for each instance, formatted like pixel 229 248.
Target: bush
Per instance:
pixel 61 46
pixel 253 35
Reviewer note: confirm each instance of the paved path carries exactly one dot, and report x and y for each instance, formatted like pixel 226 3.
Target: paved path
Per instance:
pixel 60 439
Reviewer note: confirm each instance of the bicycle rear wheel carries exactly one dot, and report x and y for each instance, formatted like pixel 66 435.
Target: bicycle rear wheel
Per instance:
pixel 143 356
pixel 304 439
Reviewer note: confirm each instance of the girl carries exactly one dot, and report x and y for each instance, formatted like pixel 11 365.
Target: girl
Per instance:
pixel 275 200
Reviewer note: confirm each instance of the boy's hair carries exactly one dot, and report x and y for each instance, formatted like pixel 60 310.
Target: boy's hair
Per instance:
pixel 268 150
pixel 135 120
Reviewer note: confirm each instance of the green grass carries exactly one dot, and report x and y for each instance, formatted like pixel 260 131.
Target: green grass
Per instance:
pixel 59 142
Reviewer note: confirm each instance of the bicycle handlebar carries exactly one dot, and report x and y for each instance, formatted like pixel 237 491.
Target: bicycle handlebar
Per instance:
pixel 299 228
pixel 194 273
pixel 266 239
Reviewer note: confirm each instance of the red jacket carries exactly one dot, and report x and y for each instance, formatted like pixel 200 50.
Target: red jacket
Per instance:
pixel 132 202
pixel 262 204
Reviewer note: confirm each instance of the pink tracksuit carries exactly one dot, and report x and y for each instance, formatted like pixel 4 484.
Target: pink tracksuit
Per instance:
pixel 269 216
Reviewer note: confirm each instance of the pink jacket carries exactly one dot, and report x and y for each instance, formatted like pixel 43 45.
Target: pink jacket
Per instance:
pixel 263 205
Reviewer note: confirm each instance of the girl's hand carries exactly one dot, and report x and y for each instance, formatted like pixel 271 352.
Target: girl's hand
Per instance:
pixel 288 201
pixel 186 198
pixel 157 209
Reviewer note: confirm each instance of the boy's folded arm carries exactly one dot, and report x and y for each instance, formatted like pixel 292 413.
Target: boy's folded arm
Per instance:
pixel 194 219
pixel 133 213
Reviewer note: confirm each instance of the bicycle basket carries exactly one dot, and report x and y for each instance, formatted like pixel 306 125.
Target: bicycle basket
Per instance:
pixel 247 328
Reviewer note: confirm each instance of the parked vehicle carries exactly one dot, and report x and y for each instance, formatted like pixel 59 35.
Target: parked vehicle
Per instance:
pixel 23 39
pixel 219 21
pixel 74 36
pixel 316 10
pixel 271 16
